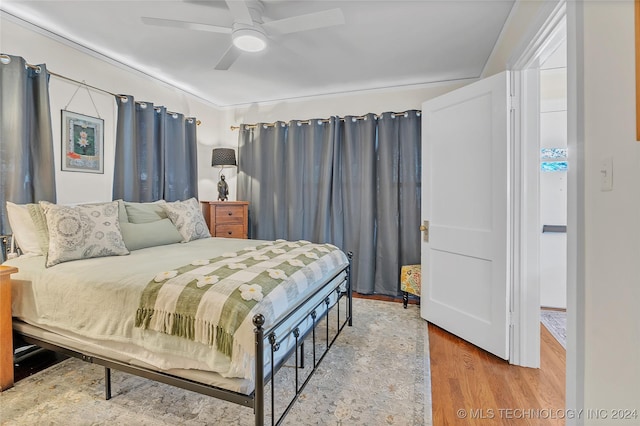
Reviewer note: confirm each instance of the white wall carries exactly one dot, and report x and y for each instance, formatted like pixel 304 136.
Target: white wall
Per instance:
pixel 353 103
pixel 512 37
pixel 75 187
pixel 612 219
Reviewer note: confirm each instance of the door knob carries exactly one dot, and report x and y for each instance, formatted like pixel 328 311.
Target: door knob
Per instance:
pixel 424 228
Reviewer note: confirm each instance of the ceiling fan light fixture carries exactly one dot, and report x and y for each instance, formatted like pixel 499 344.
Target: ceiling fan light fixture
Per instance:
pixel 249 39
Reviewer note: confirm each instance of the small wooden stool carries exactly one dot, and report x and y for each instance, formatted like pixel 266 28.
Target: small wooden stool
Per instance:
pixel 410 282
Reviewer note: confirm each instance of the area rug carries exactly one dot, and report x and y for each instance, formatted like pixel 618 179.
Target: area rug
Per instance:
pixel 556 323
pixel 377 373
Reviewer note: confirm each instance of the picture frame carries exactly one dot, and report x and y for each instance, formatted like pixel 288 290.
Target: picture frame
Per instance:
pixel 82 143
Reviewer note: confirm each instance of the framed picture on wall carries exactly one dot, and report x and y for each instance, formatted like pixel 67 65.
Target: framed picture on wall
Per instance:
pixel 82 143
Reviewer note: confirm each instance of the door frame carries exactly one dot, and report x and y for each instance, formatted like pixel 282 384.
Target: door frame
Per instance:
pixel 571 15
pixel 525 115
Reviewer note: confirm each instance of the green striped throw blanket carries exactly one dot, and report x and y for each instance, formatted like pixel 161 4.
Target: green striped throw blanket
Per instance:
pixel 213 301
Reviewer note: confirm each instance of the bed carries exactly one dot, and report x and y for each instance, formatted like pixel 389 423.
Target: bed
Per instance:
pixel 212 315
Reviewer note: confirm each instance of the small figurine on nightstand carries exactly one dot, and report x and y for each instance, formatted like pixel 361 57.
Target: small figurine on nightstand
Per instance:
pixel 223 189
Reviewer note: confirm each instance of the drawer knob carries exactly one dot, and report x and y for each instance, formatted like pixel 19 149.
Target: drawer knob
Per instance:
pixel 229 232
pixel 229 213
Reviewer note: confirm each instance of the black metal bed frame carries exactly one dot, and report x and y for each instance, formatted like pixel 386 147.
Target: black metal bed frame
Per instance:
pixel 264 338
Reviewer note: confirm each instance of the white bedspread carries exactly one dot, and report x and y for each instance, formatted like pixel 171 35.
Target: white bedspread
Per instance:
pixel 96 300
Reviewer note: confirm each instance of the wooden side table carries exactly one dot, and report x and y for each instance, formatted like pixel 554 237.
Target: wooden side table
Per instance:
pixel 228 219
pixel 6 332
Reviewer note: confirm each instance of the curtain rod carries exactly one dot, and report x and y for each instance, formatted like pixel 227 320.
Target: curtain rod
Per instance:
pixel 359 117
pixel 37 67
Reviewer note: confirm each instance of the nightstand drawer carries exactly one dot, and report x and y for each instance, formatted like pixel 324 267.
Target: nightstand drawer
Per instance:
pixel 230 231
pixel 229 214
pixel 228 219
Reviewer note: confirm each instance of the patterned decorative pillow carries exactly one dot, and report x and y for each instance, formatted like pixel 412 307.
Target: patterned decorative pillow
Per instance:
pixel 83 232
pixel 187 217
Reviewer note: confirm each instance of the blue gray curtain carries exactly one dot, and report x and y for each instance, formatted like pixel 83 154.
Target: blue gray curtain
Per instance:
pixel 399 175
pixel 358 143
pixel 27 170
pixel 353 182
pixel 155 153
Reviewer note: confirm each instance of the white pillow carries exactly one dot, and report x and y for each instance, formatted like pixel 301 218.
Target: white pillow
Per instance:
pixel 187 217
pixel 24 229
pixel 82 232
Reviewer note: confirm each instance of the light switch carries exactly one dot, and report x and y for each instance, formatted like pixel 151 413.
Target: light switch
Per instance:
pixel 606 174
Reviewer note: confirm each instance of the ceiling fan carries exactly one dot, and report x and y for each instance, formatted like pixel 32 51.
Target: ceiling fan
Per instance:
pixel 249 32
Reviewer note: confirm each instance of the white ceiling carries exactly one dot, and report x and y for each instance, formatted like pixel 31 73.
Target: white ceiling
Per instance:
pixel 382 43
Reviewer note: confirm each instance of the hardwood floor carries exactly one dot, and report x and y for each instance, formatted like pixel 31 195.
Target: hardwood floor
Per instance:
pixel 472 387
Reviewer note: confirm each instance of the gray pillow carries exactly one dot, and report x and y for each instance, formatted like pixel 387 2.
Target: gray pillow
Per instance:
pixel 144 212
pixel 82 232
pixel 142 235
pixel 122 213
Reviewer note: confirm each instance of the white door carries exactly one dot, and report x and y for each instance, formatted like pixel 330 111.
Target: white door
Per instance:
pixel 465 198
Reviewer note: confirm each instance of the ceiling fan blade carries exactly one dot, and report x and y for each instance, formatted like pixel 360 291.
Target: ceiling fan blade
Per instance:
pixel 207 3
pixel 310 21
pixel 228 58
pixel 240 11
pixel 185 25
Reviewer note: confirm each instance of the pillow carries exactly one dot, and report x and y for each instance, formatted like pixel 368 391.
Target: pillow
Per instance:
pixel 122 213
pixel 144 212
pixel 40 221
pixel 142 235
pixel 83 232
pixel 187 217
pixel 28 227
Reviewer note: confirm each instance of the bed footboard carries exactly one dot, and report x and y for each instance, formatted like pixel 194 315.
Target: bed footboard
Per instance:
pixel 270 341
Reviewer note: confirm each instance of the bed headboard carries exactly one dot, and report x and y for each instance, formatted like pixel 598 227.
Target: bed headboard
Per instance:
pixel 8 246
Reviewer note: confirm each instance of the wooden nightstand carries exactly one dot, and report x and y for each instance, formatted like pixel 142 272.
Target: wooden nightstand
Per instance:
pixel 6 332
pixel 229 219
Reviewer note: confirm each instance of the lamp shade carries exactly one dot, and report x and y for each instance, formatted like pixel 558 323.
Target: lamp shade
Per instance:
pixel 221 157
